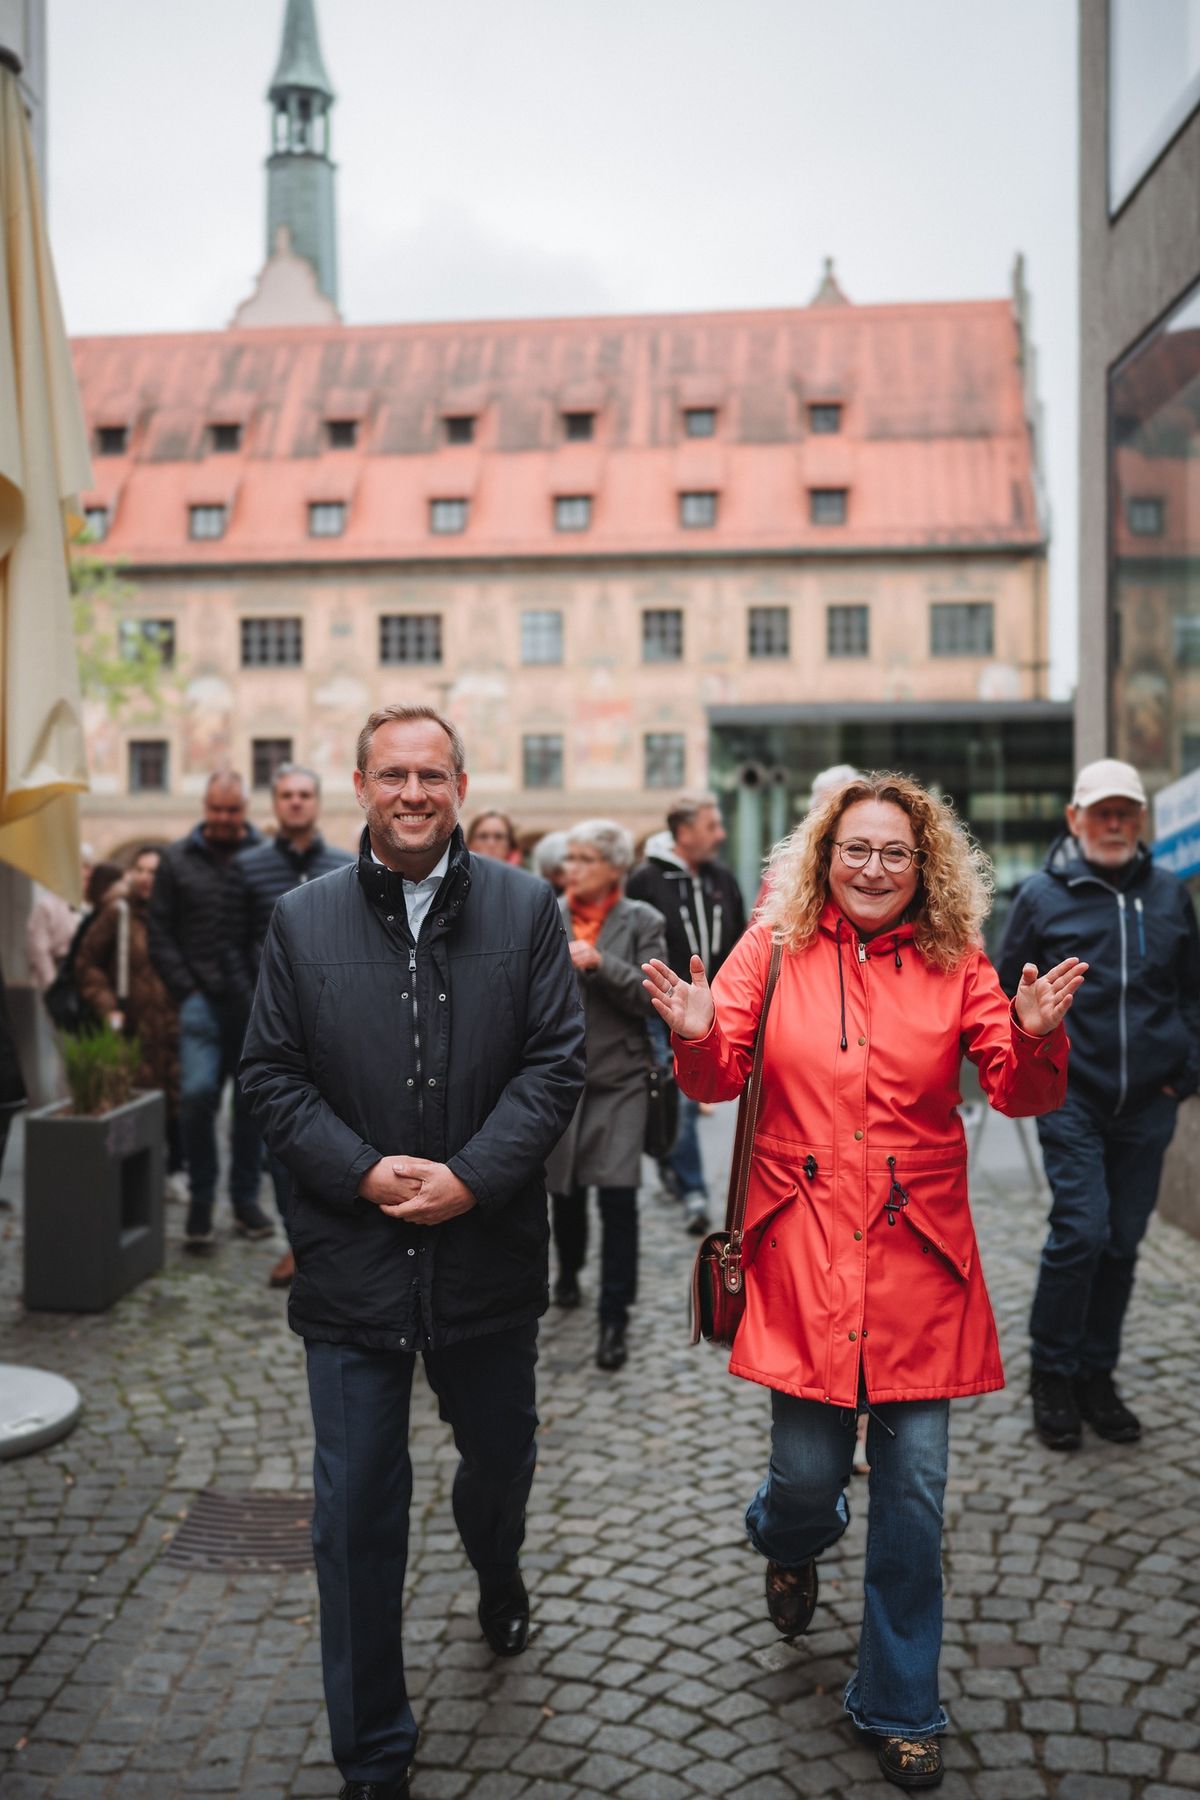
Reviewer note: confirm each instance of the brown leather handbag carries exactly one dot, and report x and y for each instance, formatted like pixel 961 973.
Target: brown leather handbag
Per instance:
pixel 718 1279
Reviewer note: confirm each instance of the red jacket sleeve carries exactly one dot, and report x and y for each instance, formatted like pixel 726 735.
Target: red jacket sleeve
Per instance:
pixel 1021 1075
pixel 717 1066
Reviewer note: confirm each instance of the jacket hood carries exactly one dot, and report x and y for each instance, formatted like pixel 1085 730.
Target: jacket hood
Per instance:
pixel 384 886
pixel 1066 864
pixel 661 848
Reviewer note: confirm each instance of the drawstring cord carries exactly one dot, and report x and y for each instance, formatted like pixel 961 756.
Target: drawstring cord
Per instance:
pixel 897 1196
pixel 841 984
pixel 896 950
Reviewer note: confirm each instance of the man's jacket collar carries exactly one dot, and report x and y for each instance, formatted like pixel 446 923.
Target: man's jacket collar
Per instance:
pixel 384 887
pixel 1065 863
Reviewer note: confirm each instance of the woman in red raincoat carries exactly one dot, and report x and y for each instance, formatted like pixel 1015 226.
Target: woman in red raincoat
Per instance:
pixel 863 1283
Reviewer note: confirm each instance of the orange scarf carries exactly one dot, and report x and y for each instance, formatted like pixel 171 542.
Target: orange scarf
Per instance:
pixel 587 922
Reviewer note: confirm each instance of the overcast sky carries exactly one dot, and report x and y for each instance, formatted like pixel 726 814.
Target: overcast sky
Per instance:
pixel 501 157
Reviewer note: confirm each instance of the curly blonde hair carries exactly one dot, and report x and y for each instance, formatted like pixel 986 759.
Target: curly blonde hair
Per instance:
pixel 954 892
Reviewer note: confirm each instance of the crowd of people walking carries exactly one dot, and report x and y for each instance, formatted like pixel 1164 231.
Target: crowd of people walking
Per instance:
pixel 440 1055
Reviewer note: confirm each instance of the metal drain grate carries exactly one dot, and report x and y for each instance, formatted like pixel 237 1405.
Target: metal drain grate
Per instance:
pixel 244 1531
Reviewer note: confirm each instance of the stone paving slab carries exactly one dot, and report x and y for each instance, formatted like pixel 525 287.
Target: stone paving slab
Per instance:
pixel 1072 1657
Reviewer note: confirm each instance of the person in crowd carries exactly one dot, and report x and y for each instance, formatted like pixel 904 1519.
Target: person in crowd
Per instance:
pixel 64 1002
pixel 1135 1054
pixel 493 834
pixel 12 1081
pixel 863 1288
pixel 187 947
pixel 547 858
pixel 610 939
pixel 121 987
pixel 52 923
pixel 260 874
pixel 415 1051
pixel 702 905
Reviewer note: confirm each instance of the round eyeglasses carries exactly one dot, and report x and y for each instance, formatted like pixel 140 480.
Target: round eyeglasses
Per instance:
pixel 895 858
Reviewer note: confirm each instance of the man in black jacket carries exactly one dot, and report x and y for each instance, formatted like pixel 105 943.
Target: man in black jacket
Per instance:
pixel 1135 1053
pixel 297 853
pixel 705 916
pixel 187 947
pixel 415 1051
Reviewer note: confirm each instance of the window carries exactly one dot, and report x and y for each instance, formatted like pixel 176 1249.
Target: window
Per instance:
pixel 662 635
pixel 447 515
pixel 824 420
pixel 579 427
pixel 149 764
pixel 700 421
pixel 572 512
pixel 961 628
pixel 112 440
pixel 664 759
pixel 223 438
pixel 847 631
pixel 696 510
pixel 769 630
pixel 1145 516
pixel 96 520
pixel 159 634
pixel 272 643
pixel 341 434
pixel 542 760
pixel 327 518
pixel 206 521
pixel 266 756
pixel 827 506
pixel 460 429
pixel 541 637
pixel 1153 84
pixel 1185 630
pixel 410 638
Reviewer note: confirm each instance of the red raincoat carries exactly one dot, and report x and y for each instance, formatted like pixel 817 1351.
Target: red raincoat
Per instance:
pixel 860 1249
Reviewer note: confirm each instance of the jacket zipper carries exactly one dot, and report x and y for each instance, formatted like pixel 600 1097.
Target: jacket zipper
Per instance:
pixel 416 1031
pixel 1121 1014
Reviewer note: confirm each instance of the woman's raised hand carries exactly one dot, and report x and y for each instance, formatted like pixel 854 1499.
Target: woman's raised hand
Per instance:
pixel 1042 1000
pixel 687 1006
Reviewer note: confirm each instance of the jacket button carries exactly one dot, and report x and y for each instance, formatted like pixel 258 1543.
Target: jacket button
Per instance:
pixel 391 918
pixel 441 996
pixel 858 1136
pixel 409 1082
pixel 772 1243
pixel 404 995
pixel 858 1237
pixel 432 1082
pixel 862 1040
pixel 924 1249
pixel 412 1253
pixel 852 1335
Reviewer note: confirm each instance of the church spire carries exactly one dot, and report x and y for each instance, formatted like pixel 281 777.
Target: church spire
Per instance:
pixel 300 170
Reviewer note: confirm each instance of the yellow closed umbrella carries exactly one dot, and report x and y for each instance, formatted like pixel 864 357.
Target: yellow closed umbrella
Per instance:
pixel 44 466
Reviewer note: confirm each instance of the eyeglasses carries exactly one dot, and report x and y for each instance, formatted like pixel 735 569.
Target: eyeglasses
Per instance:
pixel 895 858
pixel 433 781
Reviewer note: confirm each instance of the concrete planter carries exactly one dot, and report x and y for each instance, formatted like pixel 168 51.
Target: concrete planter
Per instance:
pixel 93 1203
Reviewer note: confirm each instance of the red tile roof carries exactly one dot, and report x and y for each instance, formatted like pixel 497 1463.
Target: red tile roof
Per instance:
pixel 933 450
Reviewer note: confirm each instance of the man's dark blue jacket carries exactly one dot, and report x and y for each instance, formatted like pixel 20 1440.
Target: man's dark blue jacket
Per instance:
pixel 1135 1023
pixel 466 1047
pixel 257 879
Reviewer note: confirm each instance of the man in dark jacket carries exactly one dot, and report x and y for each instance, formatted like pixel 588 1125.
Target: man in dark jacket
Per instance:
pixel 186 930
pixel 259 876
pixel 705 916
pixel 1135 1053
pixel 415 1050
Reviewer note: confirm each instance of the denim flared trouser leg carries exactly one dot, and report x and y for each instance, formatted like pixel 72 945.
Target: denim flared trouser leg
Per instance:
pixel 801 1509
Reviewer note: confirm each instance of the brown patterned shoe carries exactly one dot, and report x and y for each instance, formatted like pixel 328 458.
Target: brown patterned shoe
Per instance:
pixel 911 1762
pixel 792 1597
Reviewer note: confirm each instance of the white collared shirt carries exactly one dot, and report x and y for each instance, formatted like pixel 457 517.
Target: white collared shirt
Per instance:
pixel 418 895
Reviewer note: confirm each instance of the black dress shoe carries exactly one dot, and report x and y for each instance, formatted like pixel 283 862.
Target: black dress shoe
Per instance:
pixel 1103 1408
pixel 375 1790
pixel 1056 1417
pixel 611 1351
pixel 504 1617
pixel 791 1597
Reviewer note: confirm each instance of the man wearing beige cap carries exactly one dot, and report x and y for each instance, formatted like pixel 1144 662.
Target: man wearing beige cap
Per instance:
pixel 1135 1053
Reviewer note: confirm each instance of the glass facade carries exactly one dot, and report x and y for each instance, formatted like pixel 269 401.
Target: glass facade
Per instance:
pixel 1153 82
pixel 1154 548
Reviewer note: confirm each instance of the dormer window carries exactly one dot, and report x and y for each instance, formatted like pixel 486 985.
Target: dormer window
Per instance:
pixel 341 434
pixel 206 521
pixel 572 512
pixel 96 520
pixel 579 427
pixel 827 506
pixel 326 518
pixel 1145 513
pixel 700 421
pixel 447 516
pixel 112 440
pixel 697 510
pixel 825 419
pixel 460 428
pixel 225 438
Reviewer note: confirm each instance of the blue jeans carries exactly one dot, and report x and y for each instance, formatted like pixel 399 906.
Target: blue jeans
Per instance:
pixel 362 1481
pixel 684 1159
pixel 1104 1173
pixel 801 1509
pixel 210 1043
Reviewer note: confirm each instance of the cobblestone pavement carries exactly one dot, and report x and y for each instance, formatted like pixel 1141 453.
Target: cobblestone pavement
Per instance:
pixel 1071 1662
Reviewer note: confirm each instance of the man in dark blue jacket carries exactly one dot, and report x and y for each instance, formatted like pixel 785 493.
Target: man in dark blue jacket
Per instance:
pixel 257 878
pixel 415 1051
pixel 1135 1053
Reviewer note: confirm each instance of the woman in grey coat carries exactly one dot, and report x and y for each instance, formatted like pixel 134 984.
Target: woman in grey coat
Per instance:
pixel 610 938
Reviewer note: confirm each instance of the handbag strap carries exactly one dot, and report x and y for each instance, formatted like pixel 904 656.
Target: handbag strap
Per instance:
pixel 747 1119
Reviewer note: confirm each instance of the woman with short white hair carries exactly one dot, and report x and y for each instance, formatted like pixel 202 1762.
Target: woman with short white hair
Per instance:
pixel 610 938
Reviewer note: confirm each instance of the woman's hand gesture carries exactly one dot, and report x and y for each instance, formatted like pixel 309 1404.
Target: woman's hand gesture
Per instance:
pixel 686 1006
pixel 1042 1000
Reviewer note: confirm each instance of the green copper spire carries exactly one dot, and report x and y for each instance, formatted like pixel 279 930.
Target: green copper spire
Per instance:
pixel 300 170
